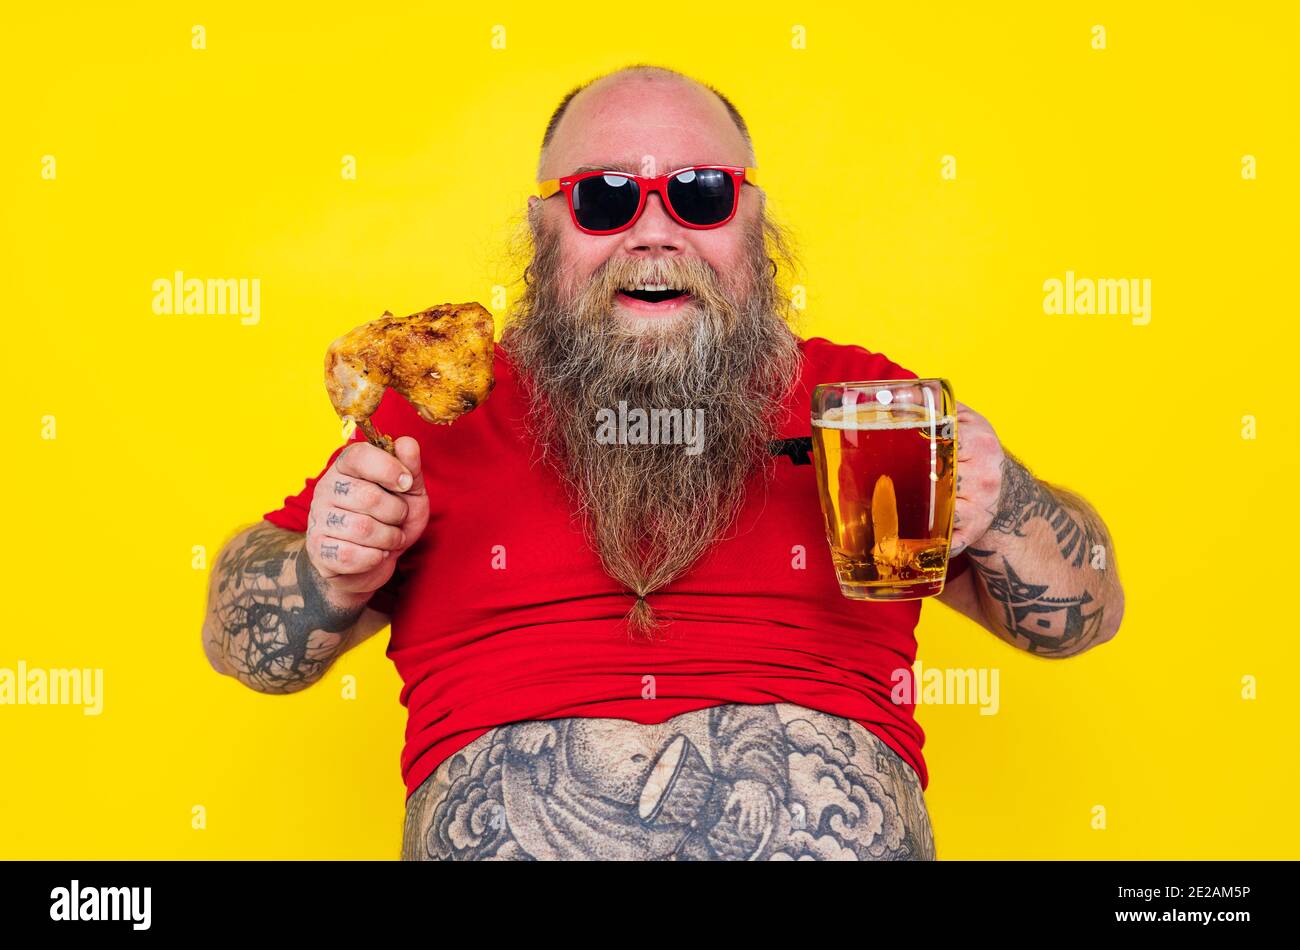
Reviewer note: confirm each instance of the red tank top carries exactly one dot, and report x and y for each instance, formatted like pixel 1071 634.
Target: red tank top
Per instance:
pixel 502 613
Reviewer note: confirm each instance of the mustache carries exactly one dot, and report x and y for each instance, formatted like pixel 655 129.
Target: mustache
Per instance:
pixel 695 276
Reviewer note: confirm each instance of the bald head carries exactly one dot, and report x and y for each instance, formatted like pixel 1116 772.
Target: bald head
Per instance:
pixel 646 118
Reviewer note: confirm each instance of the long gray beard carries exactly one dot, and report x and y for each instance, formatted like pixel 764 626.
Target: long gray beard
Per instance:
pixel 651 511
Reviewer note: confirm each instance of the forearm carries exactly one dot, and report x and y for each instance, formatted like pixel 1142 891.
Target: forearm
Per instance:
pixel 268 622
pixel 1045 569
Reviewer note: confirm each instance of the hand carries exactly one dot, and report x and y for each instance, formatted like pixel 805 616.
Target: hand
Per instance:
pixel 979 478
pixel 367 509
pixel 752 802
pixel 532 738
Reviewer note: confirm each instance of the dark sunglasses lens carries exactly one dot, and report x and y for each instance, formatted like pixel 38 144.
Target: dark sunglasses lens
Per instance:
pixel 702 195
pixel 605 202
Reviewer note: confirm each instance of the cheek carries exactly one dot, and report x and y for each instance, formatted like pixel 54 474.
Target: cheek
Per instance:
pixel 726 249
pixel 722 248
pixel 581 254
pixel 724 260
pixel 580 257
pixel 724 254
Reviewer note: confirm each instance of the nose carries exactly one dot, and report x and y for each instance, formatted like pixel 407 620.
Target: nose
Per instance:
pixel 655 231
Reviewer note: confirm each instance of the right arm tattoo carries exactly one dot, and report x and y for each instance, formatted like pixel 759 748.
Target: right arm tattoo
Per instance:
pixel 268 619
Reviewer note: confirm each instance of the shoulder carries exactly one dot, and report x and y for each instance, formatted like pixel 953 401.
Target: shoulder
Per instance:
pixel 826 361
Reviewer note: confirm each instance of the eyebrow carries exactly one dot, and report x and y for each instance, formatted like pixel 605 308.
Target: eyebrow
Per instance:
pixel 633 168
pixel 628 166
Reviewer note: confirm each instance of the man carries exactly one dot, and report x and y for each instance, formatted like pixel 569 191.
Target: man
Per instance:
pixel 617 649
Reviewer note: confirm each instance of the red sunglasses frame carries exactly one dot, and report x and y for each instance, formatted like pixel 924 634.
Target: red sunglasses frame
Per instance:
pixel 646 187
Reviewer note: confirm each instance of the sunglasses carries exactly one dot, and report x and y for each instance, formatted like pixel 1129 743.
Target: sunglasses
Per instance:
pixel 606 202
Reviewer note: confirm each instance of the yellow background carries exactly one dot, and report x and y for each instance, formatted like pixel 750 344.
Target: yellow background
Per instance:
pixel 173 431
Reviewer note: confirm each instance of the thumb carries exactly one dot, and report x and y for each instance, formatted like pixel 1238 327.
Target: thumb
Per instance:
pixel 958 542
pixel 407 450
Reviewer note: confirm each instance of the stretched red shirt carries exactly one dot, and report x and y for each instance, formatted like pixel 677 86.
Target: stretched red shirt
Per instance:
pixel 502 613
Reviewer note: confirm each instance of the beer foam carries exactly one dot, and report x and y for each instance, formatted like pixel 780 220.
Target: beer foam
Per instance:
pixel 859 425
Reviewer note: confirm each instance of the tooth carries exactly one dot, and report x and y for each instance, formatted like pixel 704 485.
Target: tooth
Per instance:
pixel 648 286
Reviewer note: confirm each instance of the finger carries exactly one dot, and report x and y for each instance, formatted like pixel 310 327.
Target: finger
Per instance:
pixel 367 498
pixel 408 454
pixel 361 529
pixel 343 557
pixel 372 464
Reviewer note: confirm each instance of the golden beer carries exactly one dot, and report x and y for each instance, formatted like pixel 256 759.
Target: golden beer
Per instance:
pixel 886 473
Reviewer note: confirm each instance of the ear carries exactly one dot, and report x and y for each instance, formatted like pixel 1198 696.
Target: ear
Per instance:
pixel 536 208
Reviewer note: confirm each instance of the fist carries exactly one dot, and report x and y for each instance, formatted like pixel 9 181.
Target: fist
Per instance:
pixel 979 478
pixel 532 738
pixel 367 509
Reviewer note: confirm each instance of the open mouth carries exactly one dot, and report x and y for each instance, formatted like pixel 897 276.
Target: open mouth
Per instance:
pixel 653 293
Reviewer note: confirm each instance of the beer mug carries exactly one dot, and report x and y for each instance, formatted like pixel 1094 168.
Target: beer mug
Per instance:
pixel 886 462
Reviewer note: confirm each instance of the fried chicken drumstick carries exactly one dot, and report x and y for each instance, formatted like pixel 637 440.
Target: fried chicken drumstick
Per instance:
pixel 439 359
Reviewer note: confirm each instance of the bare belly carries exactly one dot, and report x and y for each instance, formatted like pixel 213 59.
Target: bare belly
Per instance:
pixel 736 782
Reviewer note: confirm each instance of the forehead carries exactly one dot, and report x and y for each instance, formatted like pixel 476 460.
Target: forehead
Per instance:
pixel 642 124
